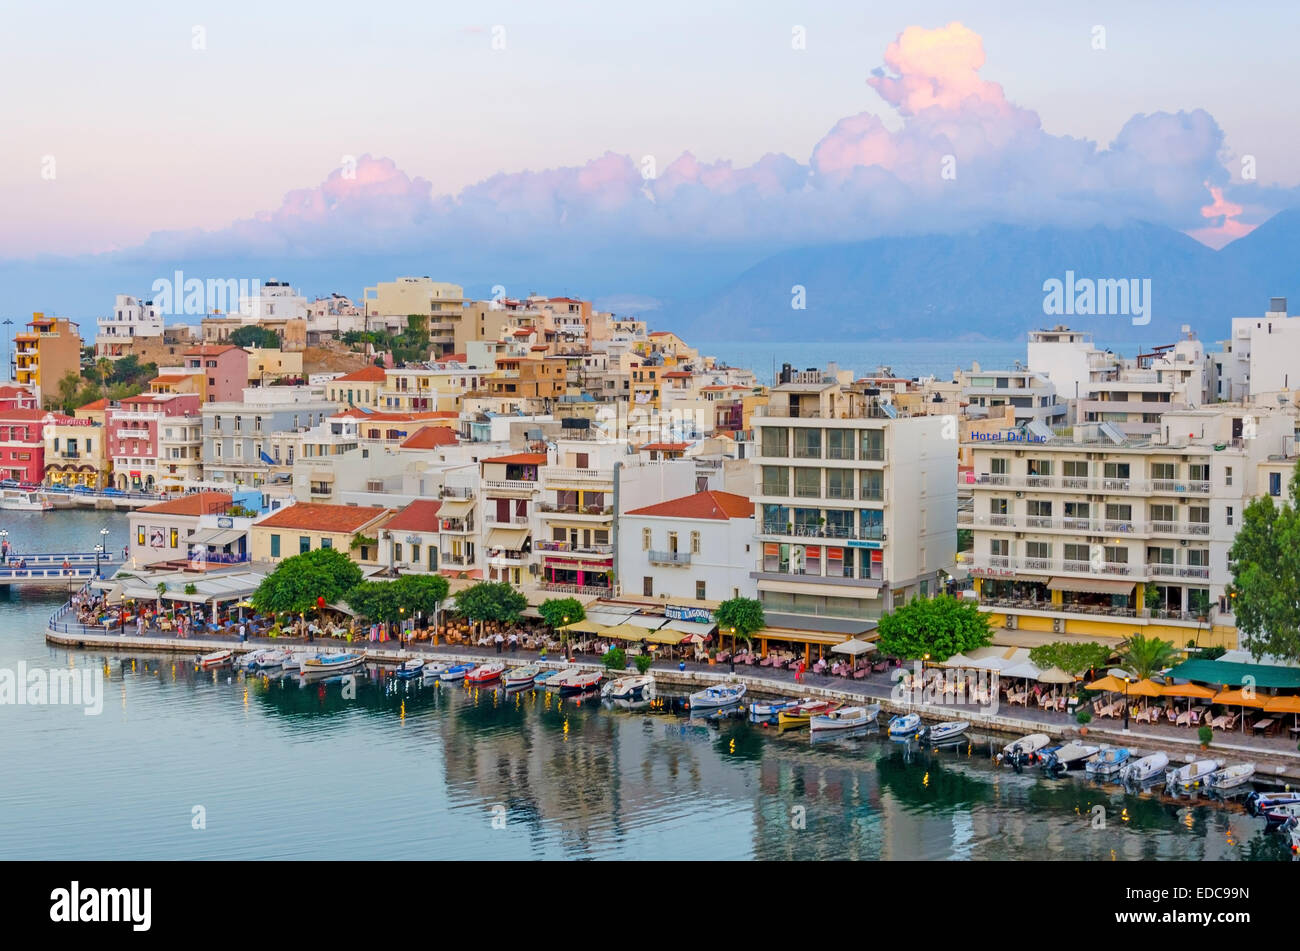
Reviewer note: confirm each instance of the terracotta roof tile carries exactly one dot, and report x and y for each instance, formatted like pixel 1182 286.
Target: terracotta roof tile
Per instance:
pixel 193 503
pixel 430 437
pixel 521 459
pixel 713 505
pixel 369 374
pixel 420 516
pixel 320 517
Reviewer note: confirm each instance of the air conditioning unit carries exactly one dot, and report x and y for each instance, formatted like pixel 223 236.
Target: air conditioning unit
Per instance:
pixel 1011 622
pixel 1182 542
pixel 1020 495
pixel 1058 625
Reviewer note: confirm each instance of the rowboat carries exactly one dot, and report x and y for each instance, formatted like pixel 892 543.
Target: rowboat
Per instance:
pixel 1067 756
pixel 722 695
pixel 456 672
pixel 545 675
pixel 410 669
pixel 1144 770
pixel 1193 774
pixel 313 664
pixel 765 711
pixel 845 718
pixel 905 724
pixel 1281 813
pixel 579 682
pixel 801 713
pixel 215 659
pixel 266 659
pixel 485 673
pixel 1108 762
pixel 629 688
pixel 1232 777
pixel 553 679
pixel 519 677
pixel 434 671
pixel 950 730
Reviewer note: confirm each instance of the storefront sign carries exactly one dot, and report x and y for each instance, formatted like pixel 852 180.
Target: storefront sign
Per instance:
pixel 679 612
pixel 855 543
pixel 225 521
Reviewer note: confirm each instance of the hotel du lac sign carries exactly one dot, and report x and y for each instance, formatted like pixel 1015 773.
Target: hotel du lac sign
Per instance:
pixel 1010 435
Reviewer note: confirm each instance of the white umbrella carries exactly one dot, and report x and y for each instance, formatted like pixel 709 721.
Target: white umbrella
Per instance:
pixel 853 647
pixel 1055 675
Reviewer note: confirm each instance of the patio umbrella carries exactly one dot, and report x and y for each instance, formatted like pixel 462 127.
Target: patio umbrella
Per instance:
pixel 853 647
pixel 1109 682
pixel 1055 675
pixel 1190 691
pixel 694 639
pixel 1145 688
pixel 1289 704
pixel 1235 698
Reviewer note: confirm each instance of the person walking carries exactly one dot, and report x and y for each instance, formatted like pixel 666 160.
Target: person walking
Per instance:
pixel 498 640
pixel 243 633
pixel 798 672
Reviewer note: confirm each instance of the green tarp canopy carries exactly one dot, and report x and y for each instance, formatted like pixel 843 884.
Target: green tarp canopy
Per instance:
pixel 1224 672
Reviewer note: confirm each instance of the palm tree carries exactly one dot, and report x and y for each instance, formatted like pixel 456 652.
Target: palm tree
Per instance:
pixel 105 367
pixel 1145 656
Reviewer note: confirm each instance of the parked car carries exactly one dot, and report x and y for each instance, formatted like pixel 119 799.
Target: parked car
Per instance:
pixel 112 491
pixel 9 484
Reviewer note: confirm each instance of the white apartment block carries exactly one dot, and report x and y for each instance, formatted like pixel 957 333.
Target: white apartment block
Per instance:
pixel 131 318
pixel 1030 394
pixel 856 504
pixel 1260 356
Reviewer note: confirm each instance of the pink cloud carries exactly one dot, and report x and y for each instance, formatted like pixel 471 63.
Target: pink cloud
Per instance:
pixel 1227 229
pixel 936 69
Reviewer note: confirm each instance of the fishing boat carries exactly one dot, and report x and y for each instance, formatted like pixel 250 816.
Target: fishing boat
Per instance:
pixel 543 678
pixel 316 664
pixel 801 713
pixel 1066 756
pixel 1257 802
pixel 455 672
pixel 905 724
pixel 629 688
pixel 410 669
pixel 942 732
pixel 1281 814
pixel 1144 770
pixel 1193 774
pixel 433 671
pixel 1025 749
pixel 517 677
pixel 845 718
pixel 1108 762
pixel 486 673
pixel 765 711
pixel 722 695
pixel 1233 777
pixel 19 501
pixel 580 681
pixel 293 661
pixel 266 658
pixel 215 659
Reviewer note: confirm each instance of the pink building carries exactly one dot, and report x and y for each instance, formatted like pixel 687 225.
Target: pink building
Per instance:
pixel 224 369
pixel 17 397
pixel 131 429
pixel 22 444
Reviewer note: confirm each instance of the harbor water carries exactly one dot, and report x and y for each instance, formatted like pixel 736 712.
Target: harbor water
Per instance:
pixel 217 765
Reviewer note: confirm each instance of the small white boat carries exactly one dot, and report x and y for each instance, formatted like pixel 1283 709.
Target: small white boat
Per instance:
pixel 579 682
pixel 1281 812
pixel 486 673
pixel 845 718
pixel 455 672
pixel 266 658
pixel 767 711
pixel 330 664
pixel 950 730
pixel 215 659
pixel 1108 762
pixel 1144 770
pixel 629 688
pixel 517 677
pixel 1232 777
pixel 556 678
pixel 722 695
pixel 1193 774
pixel 15 500
pixel 1025 749
pixel 432 671
pixel 1257 803
pixel 293 661
pixel 410 669
pixel 1067 756
pixel 905 724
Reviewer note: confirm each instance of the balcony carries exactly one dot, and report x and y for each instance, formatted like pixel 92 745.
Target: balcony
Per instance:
pixel 1193 572
pixel 996 566
pixel 594 591
pixel 457 561
pixel 829 532
pixel 603 476
pixel 511 485
pixel 1090 610
pixel 559 509
pixel 1096 485
pixel 494 519
pixel 681 558
pixel 458 525
pixel 571 549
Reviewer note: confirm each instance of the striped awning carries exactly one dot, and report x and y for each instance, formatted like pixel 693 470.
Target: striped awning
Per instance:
pixel 1091 585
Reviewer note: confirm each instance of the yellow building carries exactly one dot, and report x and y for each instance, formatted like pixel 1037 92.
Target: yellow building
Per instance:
pixel 75 451
pixel 48 351
pixel 307 526
pixel 268 364
pixel 360 388
pixel 437 304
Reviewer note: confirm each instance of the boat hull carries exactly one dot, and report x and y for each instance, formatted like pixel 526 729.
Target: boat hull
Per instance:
pixel 313 667
pixel 905 725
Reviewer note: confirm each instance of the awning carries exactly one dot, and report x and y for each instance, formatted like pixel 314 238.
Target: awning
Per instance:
pixel 690 627
pixel 585 626
pixel 608 618
pixel 511 539
pixel 1022 638
pixel 455 508
pixel 800 637
pixel 647 621
pixel 1221 672
pixel 216 537
pixel 1091 585
pixel 853 647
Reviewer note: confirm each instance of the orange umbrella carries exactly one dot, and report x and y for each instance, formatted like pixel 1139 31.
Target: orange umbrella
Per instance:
pixel 1145 688
pixel 1282 705
pixel 1188 690
pixel 1235 698
pixel 1107 683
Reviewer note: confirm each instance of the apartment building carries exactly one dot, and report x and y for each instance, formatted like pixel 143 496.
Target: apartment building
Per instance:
pixel 222 371
pixel 697 547
pixel 22 445
pixel 1104 534
pixel 243 441
pixel 1259 356
pixel 45 353
pixel 132 318
pixel 134 429
pixel 1031 395
pixel 75 450
pixel 511 487
pixel 308 526
pixel 855 503
pixel 358 388
pixel 436 307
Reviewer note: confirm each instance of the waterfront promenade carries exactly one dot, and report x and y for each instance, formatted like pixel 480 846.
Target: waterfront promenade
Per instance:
pixel 1276 757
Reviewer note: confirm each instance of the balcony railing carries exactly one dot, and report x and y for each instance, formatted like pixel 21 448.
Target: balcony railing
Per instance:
pixel 558 508
pixel 514 485
pixel 824 531
pixel 1199 572
pixel 595 591
pixel 569 548
pixel 1101 485
pixel 495 519
pixel 670 557
pixel 578 475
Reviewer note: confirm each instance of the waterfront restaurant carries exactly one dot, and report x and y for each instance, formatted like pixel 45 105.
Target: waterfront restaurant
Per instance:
pixel 813 637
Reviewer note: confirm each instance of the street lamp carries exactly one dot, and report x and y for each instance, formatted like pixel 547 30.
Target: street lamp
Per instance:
pixel 733 650
pixel 99 552
pixel 4 541
pixel 401 626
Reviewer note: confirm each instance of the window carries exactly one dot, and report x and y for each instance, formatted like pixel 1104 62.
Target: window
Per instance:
pixel 872 445
pixel 1164 470
pixel 275 546
pixel 327 543
pixel 839 444
pixel 672 542
pixel 1075 552
pixel 808 443
pixel 699 591
pixel 1119 512
pixel 872 488
pixel 1162 513
pixel 1229 514
pixel 999 546
pixel 1039 508
pixel 174 540
pixel 1074 469
pixel 807 483
pixel 1198 557
pixel 1077 510
pixel 304 544
pixel 999 507
pixel 776 440
pixel 1038 550
pixel 776 480
pixel 839 483
pixel 1227 475
pixel 1040 467
pixel 139 536
pixel 646 535
pixel 647 587
pixel 1116 554
pixel 998 466
pixel 1199 514
pixel 1275 483
pixel 1198 472
pixel 415 554
pixel 1116 470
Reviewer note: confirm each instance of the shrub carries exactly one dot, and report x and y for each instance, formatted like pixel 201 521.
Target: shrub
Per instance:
pixel 1206 734
pixel 1083 717
pixel 643 662
pixel 615 659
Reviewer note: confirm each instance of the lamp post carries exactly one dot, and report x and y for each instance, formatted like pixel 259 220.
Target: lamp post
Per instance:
pixel 99 553
pixel 564 640
pixel 4 541
pixel 401 626
pixel 733 650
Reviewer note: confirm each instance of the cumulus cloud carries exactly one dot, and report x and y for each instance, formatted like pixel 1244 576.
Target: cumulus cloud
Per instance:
pixel 963 156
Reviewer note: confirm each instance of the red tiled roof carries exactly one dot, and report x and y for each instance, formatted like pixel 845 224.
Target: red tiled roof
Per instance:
pixel 210 350
pixel 678 375
pixel 713 505
pixel 420 516
pixel 355 413
pixel 524 333
pixel 664 446
pixel 474 574
pixel 522 459
pixel 321 517
pixel 455 358
pixel 27 412
pixel 367 374
pixel 430 437
pixel 659 333
pixel 97 405
pixel 195 503
pixel 171 378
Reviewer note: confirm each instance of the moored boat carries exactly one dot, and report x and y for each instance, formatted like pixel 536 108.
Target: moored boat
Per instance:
pixel 580 681
pixel 905 724
pixel 519 676
pixel 845 718
pixel 1193 774
pixel 22 501
pixel 1108 762
pixel 1281 814
pixel 455 672
pixel 1232 777
pixel 765 711
pixel 629 688
pixel 409 669
pixel 942 732
pixel 434 671
pixel 801 713
pixel 330 664
pixel 215 659
pixel 486 673
pixel 1257 802
pixel 266 658
pixel 1144 770
pixel 720 695
pixel 1067 756
pixel 553 678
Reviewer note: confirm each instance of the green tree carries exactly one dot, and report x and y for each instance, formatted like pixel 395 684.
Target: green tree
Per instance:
pixel 558 612
pixel 744 615
pixel 420 595
pixel 1071 657
pixel 940 626
pixel 615 659
pixel 1143 656
pixel 491 601
pixel 1265 565
pixel 375 601
pixel 255 336
pixel 297 582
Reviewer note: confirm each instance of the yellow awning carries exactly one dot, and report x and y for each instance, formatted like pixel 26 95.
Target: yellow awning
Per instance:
pixel 584 626
pixel 630 632
pixel 455 508
pixel 511 539
pixel 1288 704
pixel 1235 698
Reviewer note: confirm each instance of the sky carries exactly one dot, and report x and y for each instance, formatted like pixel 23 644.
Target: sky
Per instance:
pixel 153 130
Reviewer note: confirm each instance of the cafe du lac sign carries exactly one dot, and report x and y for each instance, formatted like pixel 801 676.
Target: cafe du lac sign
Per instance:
pixel 1011 435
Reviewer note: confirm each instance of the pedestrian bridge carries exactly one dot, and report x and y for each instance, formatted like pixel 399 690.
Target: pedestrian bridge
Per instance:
pixel 49 567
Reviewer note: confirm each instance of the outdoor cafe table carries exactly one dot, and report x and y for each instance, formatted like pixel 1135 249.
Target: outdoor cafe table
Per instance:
pixel 1262 725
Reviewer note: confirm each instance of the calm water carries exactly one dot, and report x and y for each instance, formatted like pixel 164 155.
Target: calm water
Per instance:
pixel 420 772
